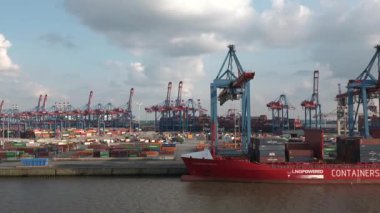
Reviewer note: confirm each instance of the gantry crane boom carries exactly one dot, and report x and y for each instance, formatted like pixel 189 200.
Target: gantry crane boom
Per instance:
pixel 365 87
pixel 89 101
pixel 131 93
pixel 313 105
pixel 179 95
pixel 1 106
pixel 39 104
pixel 168 94
pixel 232 87
pixel 44 104
pixel 166 109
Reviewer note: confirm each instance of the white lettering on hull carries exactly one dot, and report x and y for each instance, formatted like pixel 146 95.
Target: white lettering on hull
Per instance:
pixel 355 173
pixel 311 176
pixel 306 173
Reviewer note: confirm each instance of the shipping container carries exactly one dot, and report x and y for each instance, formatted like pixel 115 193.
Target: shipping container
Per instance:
pixel 301 159
pixel 271 147
pixel 104 154
pixel 35 161
pixel 301 153
pixel 269 141
pixel 271 159
pixel 270 153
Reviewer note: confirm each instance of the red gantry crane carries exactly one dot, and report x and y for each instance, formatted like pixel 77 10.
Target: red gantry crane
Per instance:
pixel 280 113
pixel 174 115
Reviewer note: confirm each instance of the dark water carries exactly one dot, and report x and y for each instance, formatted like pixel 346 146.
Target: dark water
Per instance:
pixel 85 194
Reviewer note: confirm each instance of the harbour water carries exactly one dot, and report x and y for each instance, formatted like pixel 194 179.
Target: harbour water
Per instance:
pixel 151 194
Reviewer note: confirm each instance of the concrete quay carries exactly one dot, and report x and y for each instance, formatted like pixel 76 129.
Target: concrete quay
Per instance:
pixel 98 168
pixel 102 167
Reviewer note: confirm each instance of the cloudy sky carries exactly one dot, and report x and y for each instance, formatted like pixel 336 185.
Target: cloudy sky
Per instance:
pixel 65 48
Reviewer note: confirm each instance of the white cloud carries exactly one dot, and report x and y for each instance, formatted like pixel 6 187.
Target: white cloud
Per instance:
pixel 173 38
pixel 189 45
pixel 137 67
pixel 283 24
pixel 187 69
pixel 195 27
pixel 151 80
pixel 183 28
pixel 6 63
pixel 24 92
pixel 134 73
pixel 137 73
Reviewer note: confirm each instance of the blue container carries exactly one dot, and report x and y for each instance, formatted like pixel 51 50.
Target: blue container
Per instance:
pixel 35 161
pixel 169 145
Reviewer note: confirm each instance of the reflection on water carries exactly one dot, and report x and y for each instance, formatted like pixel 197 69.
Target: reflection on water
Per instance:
pixel 105 194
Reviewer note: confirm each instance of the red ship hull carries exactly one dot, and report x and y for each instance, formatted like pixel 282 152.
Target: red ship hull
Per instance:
pixel 222 169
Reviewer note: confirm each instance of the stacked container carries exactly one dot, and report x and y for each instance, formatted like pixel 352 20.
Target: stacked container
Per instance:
pixel 119 153
pixel 35 162
pixel 42 152
pixel 348 149
pixel 370 151
pixel 168 149
pixel 270 150
pixel 301 155
pixel 355 149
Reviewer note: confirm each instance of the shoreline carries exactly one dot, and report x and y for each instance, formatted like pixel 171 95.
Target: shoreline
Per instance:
pixel 99 168
pixel 164 165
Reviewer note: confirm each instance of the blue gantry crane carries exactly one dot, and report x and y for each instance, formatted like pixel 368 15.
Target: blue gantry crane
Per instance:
pixel 360 91
pixel 313 105
pixel 233 86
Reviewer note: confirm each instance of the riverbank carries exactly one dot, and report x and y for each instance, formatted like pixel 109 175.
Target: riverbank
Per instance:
pixel 98 168
pixel 168 166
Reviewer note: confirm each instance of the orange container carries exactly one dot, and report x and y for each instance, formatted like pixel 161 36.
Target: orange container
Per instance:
pixel 151 153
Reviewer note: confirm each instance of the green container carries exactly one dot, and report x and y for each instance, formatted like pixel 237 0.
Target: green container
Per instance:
pixel 330 149
pixel 11 154
pixel 135 149
pixel 19 144
pixel 104 154
pixel 14 158
pixel 132 155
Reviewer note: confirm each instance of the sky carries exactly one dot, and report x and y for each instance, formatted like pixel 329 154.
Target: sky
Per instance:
pixel 66 48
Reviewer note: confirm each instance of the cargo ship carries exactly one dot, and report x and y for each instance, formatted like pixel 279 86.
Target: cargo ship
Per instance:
pixel 271 160
pixel 350 166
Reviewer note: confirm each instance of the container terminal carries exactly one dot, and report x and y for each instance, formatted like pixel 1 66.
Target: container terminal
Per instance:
pixel 100 137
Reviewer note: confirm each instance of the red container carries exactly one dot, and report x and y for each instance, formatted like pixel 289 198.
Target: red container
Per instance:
pixel 315 138
pixel 3 155
pixel 42 154
pixel 297 145
pixel 301 153
pixel 372 141
pixel 96 154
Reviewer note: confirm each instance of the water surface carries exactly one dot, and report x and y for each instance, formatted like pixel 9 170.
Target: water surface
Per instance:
pixel 125 194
